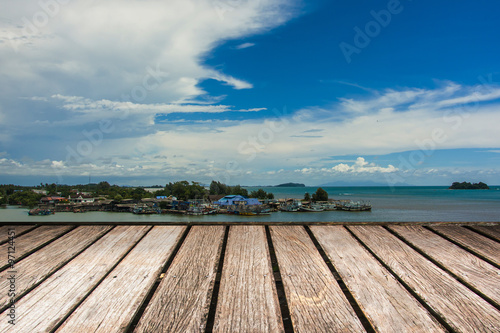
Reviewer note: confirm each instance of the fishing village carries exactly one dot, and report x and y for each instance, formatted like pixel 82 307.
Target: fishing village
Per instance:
pixel 175 198
pixel 230 204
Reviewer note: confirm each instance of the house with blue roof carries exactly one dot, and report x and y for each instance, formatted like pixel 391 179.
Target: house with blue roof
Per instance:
pixel 230 200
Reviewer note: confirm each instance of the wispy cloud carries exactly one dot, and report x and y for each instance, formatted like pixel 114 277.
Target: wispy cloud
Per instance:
pixel 245 45
pixel 257 146
pixel 81 104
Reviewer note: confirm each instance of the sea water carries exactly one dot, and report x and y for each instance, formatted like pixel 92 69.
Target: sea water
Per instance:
pixel 389 204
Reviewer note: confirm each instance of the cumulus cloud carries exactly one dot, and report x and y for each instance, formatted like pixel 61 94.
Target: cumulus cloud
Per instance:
pixel 104 49
pixel 130 61
pixel 278 143
pixel 361 165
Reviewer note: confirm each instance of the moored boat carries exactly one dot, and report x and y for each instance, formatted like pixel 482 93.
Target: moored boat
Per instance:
pixel 40 211
pixel 311 209
pixel 356 206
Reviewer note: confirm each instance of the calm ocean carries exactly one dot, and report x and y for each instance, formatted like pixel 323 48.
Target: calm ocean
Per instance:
pixel 397 204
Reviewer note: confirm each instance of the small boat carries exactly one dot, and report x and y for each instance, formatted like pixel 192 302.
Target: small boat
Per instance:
pixel 256 211
pixel 247 213
pixel 146 210
pixel 311 209
pixel 356 206
pixel 293 207
pixel 40 211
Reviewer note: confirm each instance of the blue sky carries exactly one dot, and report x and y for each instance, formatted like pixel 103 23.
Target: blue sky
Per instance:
pixel 249 92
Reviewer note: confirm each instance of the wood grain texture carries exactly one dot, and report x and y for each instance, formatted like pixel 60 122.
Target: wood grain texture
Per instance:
pixel 387 304
pixel 111 307
pixel 492 231
pixel 484 246
pixel 182 300
pixel 18 229
pixel 248 301
pixel 476 272
pixel 46 305
pixel 315 300
pixel 42 263
pixel 459 307
pixel 26 243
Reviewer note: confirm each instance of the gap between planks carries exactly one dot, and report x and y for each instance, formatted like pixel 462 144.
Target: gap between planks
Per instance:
pixel 476 274
pixel 112 305
pixel 182 300
pixel 315 300
pixel 247 300
pixel 385 302
pixel 30 272
pixel 457 306
pixel 53 300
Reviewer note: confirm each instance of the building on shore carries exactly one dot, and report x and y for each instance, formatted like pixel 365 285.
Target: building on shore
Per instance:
pixel 230 200
pixel 81 198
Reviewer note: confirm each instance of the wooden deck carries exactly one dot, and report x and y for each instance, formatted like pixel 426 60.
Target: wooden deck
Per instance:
pixel 250 278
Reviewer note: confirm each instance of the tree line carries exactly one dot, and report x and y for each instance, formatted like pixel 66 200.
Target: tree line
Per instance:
pixel 182 190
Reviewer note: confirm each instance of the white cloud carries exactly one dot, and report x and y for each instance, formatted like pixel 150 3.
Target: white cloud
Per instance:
pixel 362 165
pixel 233 82
pixel 85 105
pixel 245 45
pixel 105 49
pixel 341 167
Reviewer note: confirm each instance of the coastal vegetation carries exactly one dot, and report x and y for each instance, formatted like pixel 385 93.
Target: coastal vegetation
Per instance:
pixel 218 188
pixel 469 186
pixel 183 190
pixel 25 197
pixel 320 195
pixel 261 194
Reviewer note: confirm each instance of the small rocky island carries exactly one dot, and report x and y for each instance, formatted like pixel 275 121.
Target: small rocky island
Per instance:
pixel 469 186
pixel 290 185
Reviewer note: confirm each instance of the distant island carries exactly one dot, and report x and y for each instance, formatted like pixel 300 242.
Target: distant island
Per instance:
pixel 469 186
pixel 290 185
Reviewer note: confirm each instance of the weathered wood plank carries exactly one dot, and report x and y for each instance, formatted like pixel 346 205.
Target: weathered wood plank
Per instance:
pixel 458 306
pixel 387 304
pixel 492 231
pixel 26 243
pixel 473 241
pixel 315 300
pixel 46 305
pixel 49 259
pixel 17 230
pixel 182 300
pixel 248 301
pixel 476 272
pixel 112 306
